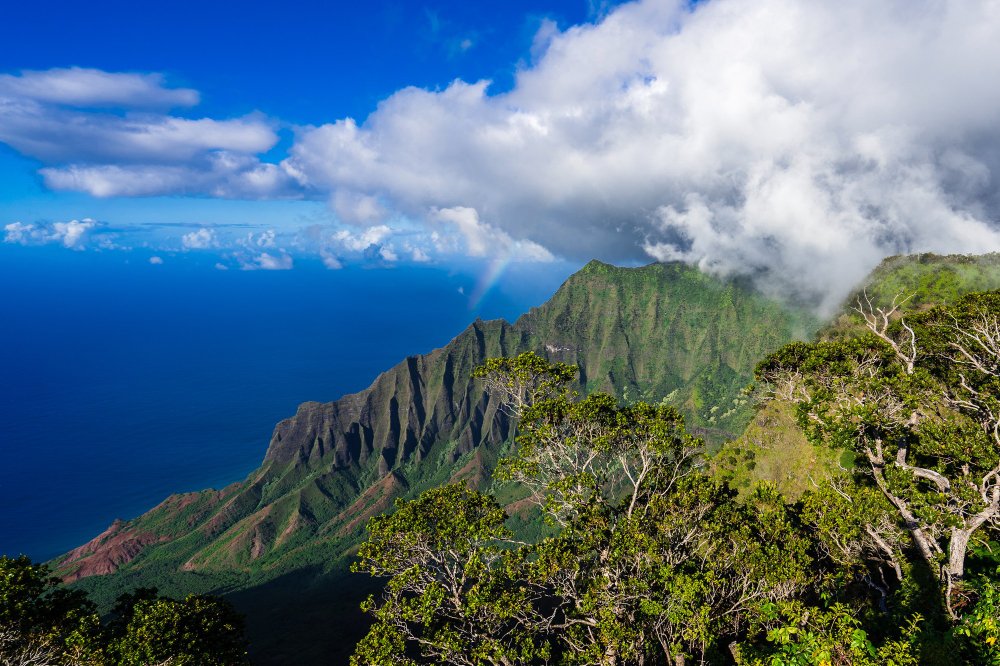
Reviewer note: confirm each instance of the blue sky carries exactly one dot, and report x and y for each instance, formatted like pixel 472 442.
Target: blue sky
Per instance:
pixel 300 61
pixel 795 141
pixel 302 64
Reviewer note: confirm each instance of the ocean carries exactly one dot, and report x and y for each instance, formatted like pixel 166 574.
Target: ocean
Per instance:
pixel 124 382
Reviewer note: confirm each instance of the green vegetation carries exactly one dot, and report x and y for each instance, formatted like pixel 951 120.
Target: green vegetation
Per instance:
pixel 929 279
pixel 661 334
pixel 667 331
pixel 918 401
pixel 279 543
pixel 653 561
pixel 642 566
pixel 920 281
pixel 43 624
pixel 773 449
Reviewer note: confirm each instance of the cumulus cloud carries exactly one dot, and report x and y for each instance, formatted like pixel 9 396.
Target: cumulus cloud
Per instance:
pixel 202 239
pixel 355 207
pixel 483 240
pixel 78 86
pixel 361 240
pixel 73 234
pixel 279 261
pixel 330 260
pixel 792 139
pixel 263 239
pixel 378 244
pixel 102 133
pixel 156 261
pixel 418 255
pixel 387 253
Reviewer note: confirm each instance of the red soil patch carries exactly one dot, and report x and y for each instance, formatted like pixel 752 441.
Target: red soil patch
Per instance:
pixel 107 552
pixel 374 501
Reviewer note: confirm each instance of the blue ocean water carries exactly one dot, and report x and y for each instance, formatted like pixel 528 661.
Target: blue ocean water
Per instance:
pixel 122 382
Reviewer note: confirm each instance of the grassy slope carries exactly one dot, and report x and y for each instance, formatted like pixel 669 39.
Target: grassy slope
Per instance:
pixel 772 448
pixel 667 331
pixel 922 280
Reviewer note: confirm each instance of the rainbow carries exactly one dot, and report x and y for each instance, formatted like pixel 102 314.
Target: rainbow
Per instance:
pixel 492 273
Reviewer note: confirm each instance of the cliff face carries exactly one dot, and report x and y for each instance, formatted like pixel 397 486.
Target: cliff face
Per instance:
pixel 662 332
pixel 402 417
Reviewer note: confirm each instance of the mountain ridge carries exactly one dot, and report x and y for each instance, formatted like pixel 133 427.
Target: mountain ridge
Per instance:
pixel 420 418
pixel 661 331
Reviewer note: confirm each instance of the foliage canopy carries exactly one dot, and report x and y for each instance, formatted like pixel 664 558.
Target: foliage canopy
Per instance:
pixel 42 623
pixel 648 559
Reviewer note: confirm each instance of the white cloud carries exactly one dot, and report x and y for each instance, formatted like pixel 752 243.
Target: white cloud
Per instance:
pixel 58 135
pixel 99 132
pixel 202 239
pixel 799 138
pixel 220 175
pixel 156 261
pixel 794 139
pixel 482 240
pixel 547 31
pixel 330 260
pixel 73 234
pixel 77 86
pixel 466 220
pixel 362 240
pixel 356 208
pixel 418 255
pixel 264 239
pixel 221 267
pixel 280 261
pixel 388 254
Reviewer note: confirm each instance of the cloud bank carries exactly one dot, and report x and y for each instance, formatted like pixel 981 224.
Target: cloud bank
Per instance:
pixel 78 86
pixel 794 140
pixel 74 234
pixel 107 134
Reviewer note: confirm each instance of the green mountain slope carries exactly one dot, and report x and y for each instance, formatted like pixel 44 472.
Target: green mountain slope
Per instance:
pixel 918 281
pixel 278 540
pixel 772 448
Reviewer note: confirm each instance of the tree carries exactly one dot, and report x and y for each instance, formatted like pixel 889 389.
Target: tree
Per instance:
pixel 831 637
pixel 650 561
pixel 918 399
pixel 199 630
pixel 453 594
pixel 42 622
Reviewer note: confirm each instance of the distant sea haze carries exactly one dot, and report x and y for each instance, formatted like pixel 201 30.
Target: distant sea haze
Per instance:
pixel 126 382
